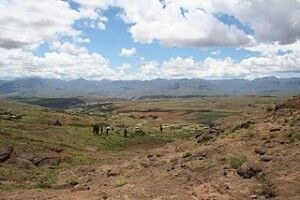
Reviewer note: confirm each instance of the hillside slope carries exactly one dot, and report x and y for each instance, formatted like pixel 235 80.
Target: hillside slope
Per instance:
pixel 253 155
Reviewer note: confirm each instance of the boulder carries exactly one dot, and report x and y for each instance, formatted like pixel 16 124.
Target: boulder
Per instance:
pixel 85 170
pixel 46 161
pixel 260 150
pixel 248 170
pixel 246 124
pixel 5 154
pixel 266 158
pixel 24 163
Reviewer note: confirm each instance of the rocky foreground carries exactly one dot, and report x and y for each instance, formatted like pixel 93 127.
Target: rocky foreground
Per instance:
pixel 251 156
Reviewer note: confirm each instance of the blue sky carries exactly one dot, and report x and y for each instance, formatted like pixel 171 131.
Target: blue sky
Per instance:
pixel 110 41
pixel 136 39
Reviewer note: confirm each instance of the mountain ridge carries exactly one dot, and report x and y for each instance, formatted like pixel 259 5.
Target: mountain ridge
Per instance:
pixel 138 88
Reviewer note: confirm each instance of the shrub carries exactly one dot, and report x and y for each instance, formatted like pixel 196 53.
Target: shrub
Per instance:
pixel 237 160
pixel 270 108
pixel 139 132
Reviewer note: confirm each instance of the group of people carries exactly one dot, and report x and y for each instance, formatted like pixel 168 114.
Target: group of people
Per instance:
pixel 99 129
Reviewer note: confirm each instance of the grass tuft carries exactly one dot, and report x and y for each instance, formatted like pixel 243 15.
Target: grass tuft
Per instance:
pixel 236 161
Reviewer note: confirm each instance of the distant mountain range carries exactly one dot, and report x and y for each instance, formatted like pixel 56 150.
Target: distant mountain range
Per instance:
pixel 38 87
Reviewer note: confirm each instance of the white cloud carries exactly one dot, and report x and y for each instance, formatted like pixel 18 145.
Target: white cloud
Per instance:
pixel 176 22
pixel 180 68
pixel 271 20
pixel 127 52
pixel 249 68
pixel 68 47
pixel 149 70
pixel 150 21
pixel 30 23
pixel 210 68
pixel 91 12
pixel 25 25
pixel 62 65
pixel 217 52
pixel 125 66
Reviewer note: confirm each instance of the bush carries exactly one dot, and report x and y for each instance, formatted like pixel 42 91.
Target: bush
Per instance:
pixel 237 160
pixel 270 108
pixel 265 189
pixel 139 132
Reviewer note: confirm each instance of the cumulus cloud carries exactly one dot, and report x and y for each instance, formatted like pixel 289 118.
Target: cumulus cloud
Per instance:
pixel 249 68
pixel 180 68
pixel 149 70
pixel 217 52
pixel 271 20
pixel 62 65
pixel 210 68
pixel 34 22
pixel 150 21
pixel 67 47
pixel 176 22
pixel 127 52
pixel 91 12
pixel 25 25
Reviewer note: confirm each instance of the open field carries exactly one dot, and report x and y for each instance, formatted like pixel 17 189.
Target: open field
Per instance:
pixel 69 161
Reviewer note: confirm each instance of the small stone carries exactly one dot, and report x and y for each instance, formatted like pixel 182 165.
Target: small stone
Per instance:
pixel 253 196
pixel 273 129
pixel 174 160
pixel 246 124
pixel 187 154
pixel 113 172
pixel 145 164
pixel 80 187
pixel 266 158
pixel 260 150
pixel 150 156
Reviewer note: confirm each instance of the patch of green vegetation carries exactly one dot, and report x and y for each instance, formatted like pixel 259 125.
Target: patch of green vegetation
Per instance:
pixel 236 161
pixel 209 117
pixel 139 132
pixel 80 159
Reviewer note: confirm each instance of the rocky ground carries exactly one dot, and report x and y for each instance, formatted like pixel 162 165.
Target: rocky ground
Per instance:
pixel 251 156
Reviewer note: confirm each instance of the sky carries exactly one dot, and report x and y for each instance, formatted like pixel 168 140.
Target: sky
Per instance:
pixel 144 40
